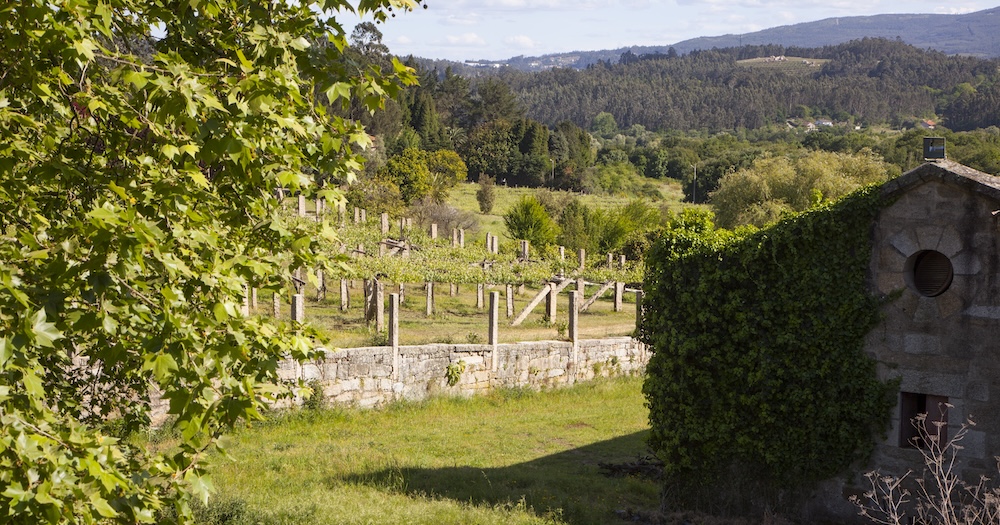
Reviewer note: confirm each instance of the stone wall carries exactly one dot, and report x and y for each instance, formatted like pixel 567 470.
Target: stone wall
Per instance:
pixel 941 347
pixel 365 376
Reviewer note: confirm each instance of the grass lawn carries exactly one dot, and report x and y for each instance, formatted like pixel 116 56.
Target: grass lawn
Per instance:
pixel 513 456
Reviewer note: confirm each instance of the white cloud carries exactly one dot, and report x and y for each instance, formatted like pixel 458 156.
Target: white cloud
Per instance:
pixel 462 20
pixel 520 41
pixel 568 5
pixel 465 39
pixel 403 40
pixel 955 10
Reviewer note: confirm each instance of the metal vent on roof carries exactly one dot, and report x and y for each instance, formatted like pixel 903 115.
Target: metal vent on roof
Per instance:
pixel 932 273
pixel 934 148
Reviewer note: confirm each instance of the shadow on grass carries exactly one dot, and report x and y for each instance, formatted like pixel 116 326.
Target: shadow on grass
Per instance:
pixel 568 486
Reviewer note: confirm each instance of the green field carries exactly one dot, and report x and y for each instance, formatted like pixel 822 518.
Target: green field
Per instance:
pixel 792 65
pixel 512 456
pixel 463 197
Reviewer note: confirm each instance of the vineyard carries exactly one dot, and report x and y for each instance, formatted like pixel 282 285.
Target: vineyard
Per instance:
pixel 407 259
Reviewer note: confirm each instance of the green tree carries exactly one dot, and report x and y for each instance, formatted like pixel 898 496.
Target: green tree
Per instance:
pixel 777 186
pixel 494 100
pixel 424 120
pixel 408 171
pixel 446 169
pixel 489 150
pixel 575 227
pixel 604 125
pixel 528 220
pixel 453 98
pixel 138 208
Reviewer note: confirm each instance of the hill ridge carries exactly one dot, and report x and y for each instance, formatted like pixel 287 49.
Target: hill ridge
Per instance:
pixel 972 34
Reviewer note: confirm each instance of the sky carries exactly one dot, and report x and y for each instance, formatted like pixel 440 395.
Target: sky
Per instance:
pixel 498 29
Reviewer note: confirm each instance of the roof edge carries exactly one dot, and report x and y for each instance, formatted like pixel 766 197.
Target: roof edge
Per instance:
pixel 946 171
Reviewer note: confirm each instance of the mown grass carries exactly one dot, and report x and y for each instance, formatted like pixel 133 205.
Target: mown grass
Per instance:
pixel 513 456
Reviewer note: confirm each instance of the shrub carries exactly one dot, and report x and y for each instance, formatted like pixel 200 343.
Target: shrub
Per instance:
pixel 759 382
pixel 375 195
pixel 575 226
pixel 486 195
pixel 447 217
pixel 529 221
pixel 553 202
pixel 446 170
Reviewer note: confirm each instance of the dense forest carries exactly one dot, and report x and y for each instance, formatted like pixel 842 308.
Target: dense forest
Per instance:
pixel 869 82
pixel 693 117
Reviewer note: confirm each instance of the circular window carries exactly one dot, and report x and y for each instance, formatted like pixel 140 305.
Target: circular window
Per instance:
pixel 930 272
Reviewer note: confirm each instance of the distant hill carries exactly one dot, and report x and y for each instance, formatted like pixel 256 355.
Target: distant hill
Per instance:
pixel 973 34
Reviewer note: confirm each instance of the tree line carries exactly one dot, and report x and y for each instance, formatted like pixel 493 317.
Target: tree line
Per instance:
pixel 870 81
pixel 693 117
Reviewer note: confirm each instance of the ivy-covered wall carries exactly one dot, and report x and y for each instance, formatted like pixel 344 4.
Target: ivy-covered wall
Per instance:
pixel 759 382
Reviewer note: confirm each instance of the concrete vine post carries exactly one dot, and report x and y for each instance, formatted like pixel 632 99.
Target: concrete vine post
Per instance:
pixel 493 337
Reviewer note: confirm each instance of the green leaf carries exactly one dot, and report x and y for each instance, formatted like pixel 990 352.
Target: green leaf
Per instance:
pixel 109 324
pixel 170 151
pixel 85 47
pixel 6 351
pixel 190 149
pixel 197 176
pixel 245 64
pixel 338 90
pixel 16 492
pixel 219 310
pixel 101 506
pixel 200 485
pixel 136 78
pixel 32 384
pixel 45 332
pixel 163 366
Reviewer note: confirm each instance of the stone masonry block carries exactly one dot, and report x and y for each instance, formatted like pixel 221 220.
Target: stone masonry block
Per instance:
pixel 928 237
pixel 950 243
pixel 922 344
pixel 966 263
pixel 905 242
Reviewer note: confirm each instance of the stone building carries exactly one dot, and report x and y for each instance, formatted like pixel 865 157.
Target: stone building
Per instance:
pixel 935 257
pixel 936 261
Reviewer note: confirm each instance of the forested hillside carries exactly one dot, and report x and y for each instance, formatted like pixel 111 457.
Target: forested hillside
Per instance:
pixel 870 82
pixel 693 118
